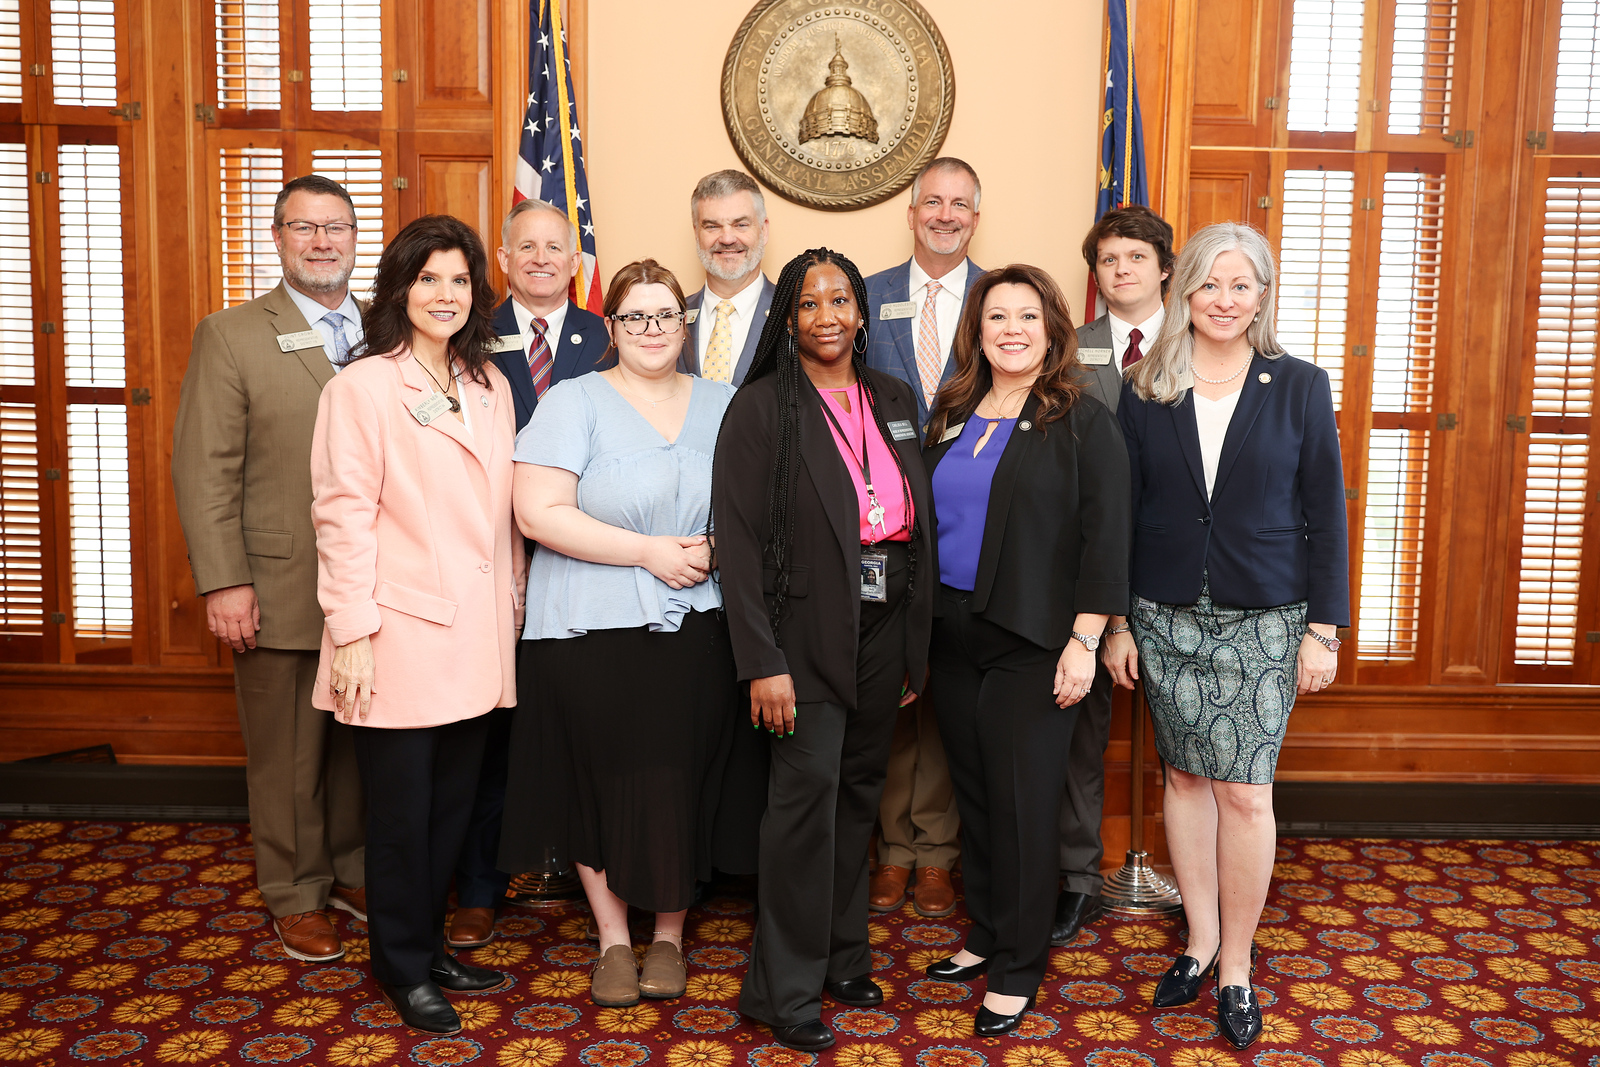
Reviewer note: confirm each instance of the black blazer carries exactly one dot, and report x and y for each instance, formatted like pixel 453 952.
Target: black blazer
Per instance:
pixel 821 621
pixel 1055 539
pixel 1273 531
pixel 580 349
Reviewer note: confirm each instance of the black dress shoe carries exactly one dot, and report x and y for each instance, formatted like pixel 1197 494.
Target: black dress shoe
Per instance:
pixel 860 992
pixel 812 1036
pixel 458 977
pixel 1074 911
pixel 993 1024
pixel 422 1007
pixel 947 971
pixel 1238 1015
pixel 1181 983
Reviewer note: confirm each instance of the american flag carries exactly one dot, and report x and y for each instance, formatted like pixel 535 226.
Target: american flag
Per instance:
pixel 550 158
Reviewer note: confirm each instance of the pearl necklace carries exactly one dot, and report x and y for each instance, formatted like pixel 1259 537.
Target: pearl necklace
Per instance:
pixel 1222 381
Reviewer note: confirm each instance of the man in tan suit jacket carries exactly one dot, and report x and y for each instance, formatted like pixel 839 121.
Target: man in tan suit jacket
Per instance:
pixel 241 469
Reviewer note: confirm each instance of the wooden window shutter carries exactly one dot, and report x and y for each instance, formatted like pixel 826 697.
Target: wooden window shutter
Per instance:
pixel 1422 70
pixel 21 543
pixel 1325 65
pixel 83 52
pixel 360 171
pixel 1314 268
pixel 346 55
pixel 10 52
pixel 1577 82
pixel 248 55
pixel 250 180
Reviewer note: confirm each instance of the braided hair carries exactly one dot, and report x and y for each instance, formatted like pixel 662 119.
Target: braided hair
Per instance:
pixel 777 352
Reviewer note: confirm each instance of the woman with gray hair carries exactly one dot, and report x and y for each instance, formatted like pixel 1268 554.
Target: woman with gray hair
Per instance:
pixel 1240 579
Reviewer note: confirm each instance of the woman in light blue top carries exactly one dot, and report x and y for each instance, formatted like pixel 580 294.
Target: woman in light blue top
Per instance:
pixel 626 654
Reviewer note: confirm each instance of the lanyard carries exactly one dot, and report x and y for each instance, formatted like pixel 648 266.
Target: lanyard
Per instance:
pixel 875 510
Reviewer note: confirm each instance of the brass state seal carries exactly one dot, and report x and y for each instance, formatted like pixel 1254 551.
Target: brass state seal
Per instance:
pixel 837 105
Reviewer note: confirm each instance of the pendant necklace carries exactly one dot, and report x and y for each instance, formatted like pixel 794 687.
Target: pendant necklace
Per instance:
pixel 455 405
pixel 1222 381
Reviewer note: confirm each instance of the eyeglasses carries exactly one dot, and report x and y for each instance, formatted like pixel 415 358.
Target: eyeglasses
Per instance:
pixel 637 323
pixel 335 230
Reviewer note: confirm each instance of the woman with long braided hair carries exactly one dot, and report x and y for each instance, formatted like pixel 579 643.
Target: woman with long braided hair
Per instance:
pixel 824 545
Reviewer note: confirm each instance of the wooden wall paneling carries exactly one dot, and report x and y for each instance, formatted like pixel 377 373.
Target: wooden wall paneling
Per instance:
pixel 1228 81
pixel 1227 186
pixel 453 82
pixel 54 510
pixel 27 109
pixel 1152 47
pixel 1177 125
pixel 459 186
pixel 147 715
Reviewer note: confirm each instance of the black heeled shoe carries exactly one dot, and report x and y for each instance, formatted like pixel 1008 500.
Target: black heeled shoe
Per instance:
pixel 1239 1015
pixel 1181 984
pixel 993 1024
pixel 950 971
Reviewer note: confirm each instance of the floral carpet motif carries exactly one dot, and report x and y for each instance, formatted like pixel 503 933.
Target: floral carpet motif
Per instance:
pixel 146 944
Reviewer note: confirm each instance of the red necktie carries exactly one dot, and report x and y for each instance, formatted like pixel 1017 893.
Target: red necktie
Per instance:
pixel 539 360
pixel 1132 355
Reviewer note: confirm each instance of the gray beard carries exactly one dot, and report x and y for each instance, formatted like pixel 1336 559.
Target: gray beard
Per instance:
pixel 710 265
pixel 310 283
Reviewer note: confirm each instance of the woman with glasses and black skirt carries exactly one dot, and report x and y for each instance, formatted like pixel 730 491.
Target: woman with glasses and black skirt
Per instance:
pixel 627 667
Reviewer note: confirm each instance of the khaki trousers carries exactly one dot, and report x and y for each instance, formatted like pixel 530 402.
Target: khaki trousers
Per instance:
pixel 306 812
pixel 917 816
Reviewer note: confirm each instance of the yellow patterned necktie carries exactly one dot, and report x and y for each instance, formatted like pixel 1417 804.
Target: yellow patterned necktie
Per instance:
pixel 719 350
pixel 930 356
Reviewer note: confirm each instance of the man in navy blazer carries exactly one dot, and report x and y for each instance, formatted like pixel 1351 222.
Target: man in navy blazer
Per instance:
pixel 913 310
pixel 540 254
pixel 730 235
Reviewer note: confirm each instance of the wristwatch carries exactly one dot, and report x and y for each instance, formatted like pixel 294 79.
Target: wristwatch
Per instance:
pixel 1089 640
pixel 1333 643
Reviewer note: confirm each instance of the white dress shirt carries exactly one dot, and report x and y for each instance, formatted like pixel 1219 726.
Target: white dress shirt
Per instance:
pixel 1211 418
pixel 947 304
pixel 552 328
pixel 739 322
pixel 1120 331
pixel 314 311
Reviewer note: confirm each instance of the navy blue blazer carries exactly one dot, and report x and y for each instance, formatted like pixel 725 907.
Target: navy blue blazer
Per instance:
pixel 580 349
pixel 1273 531
pixel 891 344
pixel 689 361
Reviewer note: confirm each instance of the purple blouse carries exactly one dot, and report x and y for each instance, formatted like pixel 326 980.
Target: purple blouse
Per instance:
pixel 961 497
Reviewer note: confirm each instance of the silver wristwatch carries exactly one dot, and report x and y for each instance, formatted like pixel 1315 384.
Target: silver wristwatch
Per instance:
pixel 1090 641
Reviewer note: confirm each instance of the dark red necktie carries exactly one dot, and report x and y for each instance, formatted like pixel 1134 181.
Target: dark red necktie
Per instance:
pixel 1132 355
pixel 539 359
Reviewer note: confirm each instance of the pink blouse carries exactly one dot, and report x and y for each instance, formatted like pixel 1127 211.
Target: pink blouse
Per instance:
pixel 887 480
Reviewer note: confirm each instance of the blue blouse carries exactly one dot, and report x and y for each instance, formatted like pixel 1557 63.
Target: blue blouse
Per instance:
pixel 628 476
pixel 961 485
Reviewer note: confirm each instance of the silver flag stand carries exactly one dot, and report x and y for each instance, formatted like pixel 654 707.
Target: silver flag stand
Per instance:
pixel 1137 889
pixel 552 884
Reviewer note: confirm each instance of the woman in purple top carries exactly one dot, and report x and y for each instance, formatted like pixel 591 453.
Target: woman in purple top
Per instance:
pixel 1031 490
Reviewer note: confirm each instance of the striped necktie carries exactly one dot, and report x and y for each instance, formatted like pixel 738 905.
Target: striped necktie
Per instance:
pixel 341 343
pixel 930 355
pixel 719 350
pixel 539 358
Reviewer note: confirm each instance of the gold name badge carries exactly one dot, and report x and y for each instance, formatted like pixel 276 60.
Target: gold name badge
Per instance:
pixel 294 342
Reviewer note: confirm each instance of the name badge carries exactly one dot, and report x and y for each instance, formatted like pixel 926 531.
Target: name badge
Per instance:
pixel 294 342
pixel 1094 357
pixel 507 343
pixel 904 309
pixel 874 575
pixel 953 432
pixel 690 315
pixel 902 430
pixel 431 408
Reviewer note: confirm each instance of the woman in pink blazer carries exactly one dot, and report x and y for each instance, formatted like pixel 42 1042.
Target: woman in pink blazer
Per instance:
pixel 419 578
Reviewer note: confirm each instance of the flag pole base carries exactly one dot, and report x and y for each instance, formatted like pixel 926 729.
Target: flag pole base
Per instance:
pixel 1138 889
pixel 544 889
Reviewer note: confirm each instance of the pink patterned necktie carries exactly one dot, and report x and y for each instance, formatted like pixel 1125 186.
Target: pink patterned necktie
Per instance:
pixel 930 355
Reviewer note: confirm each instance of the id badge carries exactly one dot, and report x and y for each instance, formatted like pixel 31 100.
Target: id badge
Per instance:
pixel 874 575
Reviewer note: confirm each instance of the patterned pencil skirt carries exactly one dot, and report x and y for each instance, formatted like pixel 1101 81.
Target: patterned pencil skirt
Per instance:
pixel 1221 683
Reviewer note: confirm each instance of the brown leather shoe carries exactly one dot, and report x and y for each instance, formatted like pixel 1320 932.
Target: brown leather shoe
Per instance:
pixel 934 897
pixel 888 890
pixel 615 981
pixel 471 928
pixel 663 975
pixel 353 901
pixel 309 936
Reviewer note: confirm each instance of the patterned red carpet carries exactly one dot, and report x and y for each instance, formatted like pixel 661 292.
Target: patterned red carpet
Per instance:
pixel 145 944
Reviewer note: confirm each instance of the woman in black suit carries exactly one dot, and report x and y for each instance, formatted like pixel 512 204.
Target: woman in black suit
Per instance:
pixel 823 540
pixel 1240 576
pixel 1030 478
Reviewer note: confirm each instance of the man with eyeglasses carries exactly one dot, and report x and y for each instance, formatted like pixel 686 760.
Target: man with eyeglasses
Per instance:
pixel 241 471
pixel 730 232
pixel 545 338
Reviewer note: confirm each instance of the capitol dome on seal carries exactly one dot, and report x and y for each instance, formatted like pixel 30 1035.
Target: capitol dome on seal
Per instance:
pixel 838 109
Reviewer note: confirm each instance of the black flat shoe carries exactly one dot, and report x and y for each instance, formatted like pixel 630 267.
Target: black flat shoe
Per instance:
pixel 1074 911
pixel 1181 983
pixel 860 992
pixel 423 1008
pixel 946 971
pixel 993 1024
pixel 813 1036
pixel 460 977
pixel 1238 1015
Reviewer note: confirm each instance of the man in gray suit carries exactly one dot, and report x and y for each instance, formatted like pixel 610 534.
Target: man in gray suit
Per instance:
pixel 1130 252
pixel 241 470
pixel 730 233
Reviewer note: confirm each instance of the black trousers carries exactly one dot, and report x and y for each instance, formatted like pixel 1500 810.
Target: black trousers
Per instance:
pixel 822 802
pixel 1008 746
pixel 1084 802
pixel 479 883
pixel 419 786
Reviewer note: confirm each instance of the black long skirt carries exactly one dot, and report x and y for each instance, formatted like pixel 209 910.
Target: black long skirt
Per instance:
pixel 618 753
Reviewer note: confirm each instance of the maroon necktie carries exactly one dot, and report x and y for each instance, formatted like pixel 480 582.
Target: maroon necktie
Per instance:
pixel 1132 355
pixel 539 359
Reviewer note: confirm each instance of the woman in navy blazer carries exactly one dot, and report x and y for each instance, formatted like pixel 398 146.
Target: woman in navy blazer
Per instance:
pixel 1240 578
